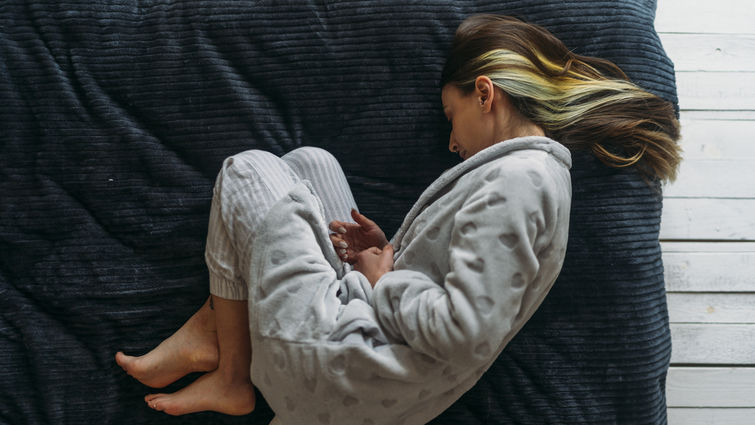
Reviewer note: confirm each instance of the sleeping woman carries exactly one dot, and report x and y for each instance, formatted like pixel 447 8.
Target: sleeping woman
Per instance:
pixel 349 328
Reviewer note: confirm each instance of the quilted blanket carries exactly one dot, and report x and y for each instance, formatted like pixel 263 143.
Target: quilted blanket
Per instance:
pixel 114 119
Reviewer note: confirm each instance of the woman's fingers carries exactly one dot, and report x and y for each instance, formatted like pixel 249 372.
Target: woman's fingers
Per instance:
pixel 338 226
pixel 371 232
pixel 361 219
pixel 338 242
pixel 352 239
pixel 386 258
pixel 342 248
pixel 345 252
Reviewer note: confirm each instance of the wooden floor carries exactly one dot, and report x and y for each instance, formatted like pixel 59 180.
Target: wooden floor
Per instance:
pixel 708 230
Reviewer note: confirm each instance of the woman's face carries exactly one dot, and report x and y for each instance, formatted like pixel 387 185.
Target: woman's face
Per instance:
pixel 470 131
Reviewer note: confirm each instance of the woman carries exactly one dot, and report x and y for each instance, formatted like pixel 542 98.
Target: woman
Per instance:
pixel 418 321
pixel 597 350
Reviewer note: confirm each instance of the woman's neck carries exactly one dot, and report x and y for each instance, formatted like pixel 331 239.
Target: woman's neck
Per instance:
pixel 512 127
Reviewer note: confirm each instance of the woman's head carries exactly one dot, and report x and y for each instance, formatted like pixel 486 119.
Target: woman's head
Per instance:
pixel 583 102
pixel 482 118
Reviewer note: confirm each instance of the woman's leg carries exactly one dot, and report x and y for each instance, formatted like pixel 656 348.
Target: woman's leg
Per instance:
pixel 177 356
pixel 227 389
pixel 247 186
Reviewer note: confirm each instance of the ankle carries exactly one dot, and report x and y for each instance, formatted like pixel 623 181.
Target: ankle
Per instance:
pixel 235 375
pixel 205 319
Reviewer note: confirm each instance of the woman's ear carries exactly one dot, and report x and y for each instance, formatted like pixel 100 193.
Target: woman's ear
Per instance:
pixel 485 92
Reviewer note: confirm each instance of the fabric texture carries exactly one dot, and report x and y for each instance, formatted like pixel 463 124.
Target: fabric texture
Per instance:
pixel 475 257
pixel 116 117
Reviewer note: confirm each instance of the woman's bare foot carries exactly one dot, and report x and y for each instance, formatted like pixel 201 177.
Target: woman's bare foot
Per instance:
pixel 213 391
pixel 193 348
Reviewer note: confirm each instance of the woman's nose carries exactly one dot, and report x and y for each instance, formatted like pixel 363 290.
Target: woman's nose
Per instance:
pixel 452 145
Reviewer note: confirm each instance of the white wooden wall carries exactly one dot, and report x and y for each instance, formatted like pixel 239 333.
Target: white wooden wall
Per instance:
pixel 708 228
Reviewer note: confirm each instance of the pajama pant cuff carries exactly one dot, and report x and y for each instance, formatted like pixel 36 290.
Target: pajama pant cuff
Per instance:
pixel 228 289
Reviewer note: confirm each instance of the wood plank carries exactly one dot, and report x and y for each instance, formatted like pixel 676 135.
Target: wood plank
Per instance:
pixel 709 267
pixel 714 178
pixel 705 247
pixel 722 16
pixel 714 138
pixel 718 159
pixel 712 308
pixel 719 116
pixel 723 247
pixel 710 52
pixel 713 344
pixel 710 387
pixel 708 219
pixel 710 416
pixel 716 90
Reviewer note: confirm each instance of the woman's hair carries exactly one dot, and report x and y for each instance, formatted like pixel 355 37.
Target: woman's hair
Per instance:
pixel 583 102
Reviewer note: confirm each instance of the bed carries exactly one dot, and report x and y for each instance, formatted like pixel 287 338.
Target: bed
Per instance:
pixel 115 117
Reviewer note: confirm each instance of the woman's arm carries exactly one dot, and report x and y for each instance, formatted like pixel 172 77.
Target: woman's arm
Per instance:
pixel 507 247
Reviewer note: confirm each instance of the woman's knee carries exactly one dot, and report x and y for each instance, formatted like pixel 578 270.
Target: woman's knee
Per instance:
pixel 252 159
pixel 255 172
pixel 253 164
pixel 308 158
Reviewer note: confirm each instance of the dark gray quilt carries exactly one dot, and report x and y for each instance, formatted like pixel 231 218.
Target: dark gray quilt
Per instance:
pixel 115 117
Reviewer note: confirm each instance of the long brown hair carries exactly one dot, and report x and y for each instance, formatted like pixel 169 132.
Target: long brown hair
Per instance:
pixel 582 102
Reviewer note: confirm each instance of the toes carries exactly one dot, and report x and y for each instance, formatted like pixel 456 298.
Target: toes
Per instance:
pixel 165 404
pixel 123 360
pixel 155 401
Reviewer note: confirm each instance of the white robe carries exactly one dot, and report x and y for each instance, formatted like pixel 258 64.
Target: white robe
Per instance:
pixel 474 259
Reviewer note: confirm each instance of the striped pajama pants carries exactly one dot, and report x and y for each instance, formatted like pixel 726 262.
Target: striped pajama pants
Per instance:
pixel 247 186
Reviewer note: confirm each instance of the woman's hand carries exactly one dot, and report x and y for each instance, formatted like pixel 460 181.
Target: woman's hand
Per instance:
pixel 374 262
pixel 350 239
